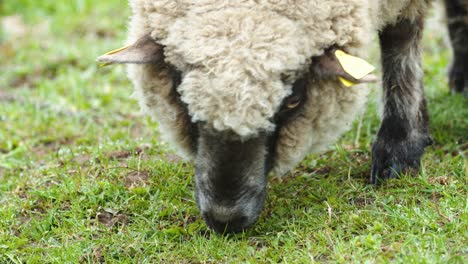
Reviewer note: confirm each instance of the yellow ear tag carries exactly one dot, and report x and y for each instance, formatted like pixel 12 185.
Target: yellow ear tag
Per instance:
pixel 354 66
pixel 113 52
pixel 345 82
pixel 117 50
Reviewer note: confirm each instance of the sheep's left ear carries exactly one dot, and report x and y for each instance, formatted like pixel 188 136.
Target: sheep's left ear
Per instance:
pixel 143 51
pixel 336 64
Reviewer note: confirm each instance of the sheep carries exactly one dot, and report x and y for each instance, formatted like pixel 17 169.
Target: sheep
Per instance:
pixel 245 88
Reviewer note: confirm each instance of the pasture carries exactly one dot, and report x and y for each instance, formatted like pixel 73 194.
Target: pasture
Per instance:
pixel 84 177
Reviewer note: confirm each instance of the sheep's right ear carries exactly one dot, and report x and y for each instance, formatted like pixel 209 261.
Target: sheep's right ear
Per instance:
pixel 143 51
pixel 350 70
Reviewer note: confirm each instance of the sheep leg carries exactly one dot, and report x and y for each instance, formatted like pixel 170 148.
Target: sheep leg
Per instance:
pixel 403 134
pixel 457 18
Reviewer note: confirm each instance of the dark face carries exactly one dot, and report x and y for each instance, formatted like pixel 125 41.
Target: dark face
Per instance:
pixel 231 174
pixel 230 178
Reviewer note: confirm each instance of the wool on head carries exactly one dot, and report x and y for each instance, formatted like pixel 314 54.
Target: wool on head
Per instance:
pixel 234 57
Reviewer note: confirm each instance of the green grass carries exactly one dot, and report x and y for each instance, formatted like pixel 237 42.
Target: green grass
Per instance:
pixel 84 179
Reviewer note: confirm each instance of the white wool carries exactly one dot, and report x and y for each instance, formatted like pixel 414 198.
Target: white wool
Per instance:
pixel 233 55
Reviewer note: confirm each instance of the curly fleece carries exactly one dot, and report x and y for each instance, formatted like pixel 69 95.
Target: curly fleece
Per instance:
pixel 234 57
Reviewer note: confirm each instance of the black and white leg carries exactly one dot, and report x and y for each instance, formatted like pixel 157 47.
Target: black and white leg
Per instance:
pixel 403 134
pixel 457 18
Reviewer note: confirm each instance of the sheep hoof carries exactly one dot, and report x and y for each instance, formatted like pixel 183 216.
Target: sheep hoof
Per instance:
pixel 390 159
pixel 458 75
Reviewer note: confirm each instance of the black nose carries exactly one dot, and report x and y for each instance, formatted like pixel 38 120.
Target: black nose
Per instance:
pixel 234 225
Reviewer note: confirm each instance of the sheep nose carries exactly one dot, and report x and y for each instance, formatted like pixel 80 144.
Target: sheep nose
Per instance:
pixel 234 225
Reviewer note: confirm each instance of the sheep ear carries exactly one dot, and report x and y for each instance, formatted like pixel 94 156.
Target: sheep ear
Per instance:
pixel 350 70
pixel 143 51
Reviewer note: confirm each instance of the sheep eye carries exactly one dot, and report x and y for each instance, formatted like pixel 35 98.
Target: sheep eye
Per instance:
pixel 293 102
pixel 296 99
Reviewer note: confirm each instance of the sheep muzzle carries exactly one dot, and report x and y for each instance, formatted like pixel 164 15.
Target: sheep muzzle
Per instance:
pixel 230 178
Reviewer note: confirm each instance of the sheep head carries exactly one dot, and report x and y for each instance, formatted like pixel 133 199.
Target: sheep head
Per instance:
pixel 232 165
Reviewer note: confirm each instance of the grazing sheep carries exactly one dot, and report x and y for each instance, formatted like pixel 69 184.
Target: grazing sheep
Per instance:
pixel 242 88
